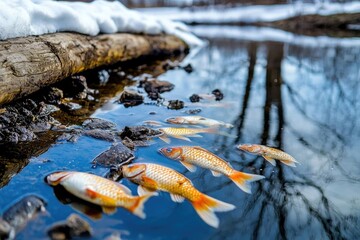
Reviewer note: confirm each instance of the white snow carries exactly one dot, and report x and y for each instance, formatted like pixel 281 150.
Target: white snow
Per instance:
pixel 20 18
pixel 250 14
pixel 251 33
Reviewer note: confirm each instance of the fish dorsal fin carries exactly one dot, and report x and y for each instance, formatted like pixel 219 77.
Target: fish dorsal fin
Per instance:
pixel 91 192
pixel 124 188
pixel 108 210
pixel 272 161
pixel 146 191
pixel 202 118
pixel 215 174
pixel 183 138
pixel 188 166
pixel 165 139
pixel 177 198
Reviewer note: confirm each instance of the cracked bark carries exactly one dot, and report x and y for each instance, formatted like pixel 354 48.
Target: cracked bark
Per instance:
pixel 30 63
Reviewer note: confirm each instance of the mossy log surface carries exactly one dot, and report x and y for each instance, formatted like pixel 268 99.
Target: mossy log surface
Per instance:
pixel 30 63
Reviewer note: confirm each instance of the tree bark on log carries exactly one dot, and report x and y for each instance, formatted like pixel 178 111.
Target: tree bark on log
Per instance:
pixel 30 63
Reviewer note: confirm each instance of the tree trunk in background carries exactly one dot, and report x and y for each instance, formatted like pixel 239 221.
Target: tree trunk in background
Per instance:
pixel 30 63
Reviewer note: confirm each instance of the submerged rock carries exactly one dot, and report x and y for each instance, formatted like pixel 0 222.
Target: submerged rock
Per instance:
pixel 26 209
pixel 188 68
pixel 75 226
pixel 154 87
pixel 53 95
pixel 175 104
pixel 114 174
pixel 139 133
pixel 6 231
pixel 194 98
pixel 98 123
pixel 218 94
pixel 131 98
pixel 193 111
pixel 100 134
pixel 117 155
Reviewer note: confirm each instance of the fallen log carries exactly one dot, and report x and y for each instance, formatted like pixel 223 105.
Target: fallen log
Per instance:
pixel 30 63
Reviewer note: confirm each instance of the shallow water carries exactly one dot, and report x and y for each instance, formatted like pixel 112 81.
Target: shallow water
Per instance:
pixel 303 98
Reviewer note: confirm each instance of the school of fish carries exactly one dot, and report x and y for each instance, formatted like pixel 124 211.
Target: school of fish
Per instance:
pixel 151 177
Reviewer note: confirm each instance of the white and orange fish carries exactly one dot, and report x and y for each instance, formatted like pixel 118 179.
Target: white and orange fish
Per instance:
pixel 100 191
pixel 270 154
pixel 190 156
pixel 152 177
pixel 183 133
pixel 198 120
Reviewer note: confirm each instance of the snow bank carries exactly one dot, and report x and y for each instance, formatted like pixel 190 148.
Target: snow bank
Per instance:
pixel 250 14
pixel 250 33
pixel 20 18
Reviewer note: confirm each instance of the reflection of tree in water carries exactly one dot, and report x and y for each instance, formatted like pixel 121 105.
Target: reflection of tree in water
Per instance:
pixel 287 204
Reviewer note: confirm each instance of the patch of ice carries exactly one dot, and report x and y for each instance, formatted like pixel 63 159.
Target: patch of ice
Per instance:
pixel 250 14
pixel 20 18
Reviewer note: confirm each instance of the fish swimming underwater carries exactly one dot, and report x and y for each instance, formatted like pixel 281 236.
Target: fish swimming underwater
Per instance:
pixel 270 154
pixel 185 133
pixel 198 120
pixel 100 191
pixel 190 156
pixel 152 177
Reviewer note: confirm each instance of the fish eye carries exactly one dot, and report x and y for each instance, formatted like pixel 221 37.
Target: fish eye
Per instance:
pixel 168 150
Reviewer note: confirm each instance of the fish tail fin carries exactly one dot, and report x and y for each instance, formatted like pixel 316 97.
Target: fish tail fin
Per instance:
pixel 205 206
pixel 290 162
pixel 242 180
pixel 138 207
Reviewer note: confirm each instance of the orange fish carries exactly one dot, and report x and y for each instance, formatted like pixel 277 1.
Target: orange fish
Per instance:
pixel 190 156
pixel 270 154
pixel 185 133
pixel 152 177
pixel 100 191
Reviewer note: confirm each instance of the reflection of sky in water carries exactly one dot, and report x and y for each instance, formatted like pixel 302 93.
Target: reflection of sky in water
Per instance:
pixel 318 199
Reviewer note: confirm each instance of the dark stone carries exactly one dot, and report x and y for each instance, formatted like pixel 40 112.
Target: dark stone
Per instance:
pixel 114 174
pixel 53 96
pixel 194 98
pixel 188 68
pixel 141 133
pixel 98 123
pixel 175 104
pixel 128 143
pixel 75 226
pixel 154 95
pixel 157 86
pixel 152 113
pixel 116 155
pixel 131 98
pixel 5 229
pixel 78 84
pixel 169 65
pixel 23 211
pixel 218 94
pixel 193 111
pixel 100 134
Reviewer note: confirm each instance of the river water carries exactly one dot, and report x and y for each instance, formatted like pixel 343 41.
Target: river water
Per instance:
pixel 298 94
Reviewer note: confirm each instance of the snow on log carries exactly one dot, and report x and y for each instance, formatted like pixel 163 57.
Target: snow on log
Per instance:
pixel 30 63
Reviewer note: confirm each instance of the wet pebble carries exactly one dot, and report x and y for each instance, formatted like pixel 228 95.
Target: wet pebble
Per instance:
pixel 141 133
pixel 156 86
pixel 26 209
pixel 75 226
pixel 194 98
pixel 6 231
pixel 193 111
pixel 98 123
pixel 131 98
pixel 70 106
pixel 188 68
pixel 114 174
pixel 100 134
pixel 117 155
pixel 218 94
pixel 53 95
pixel 175 104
